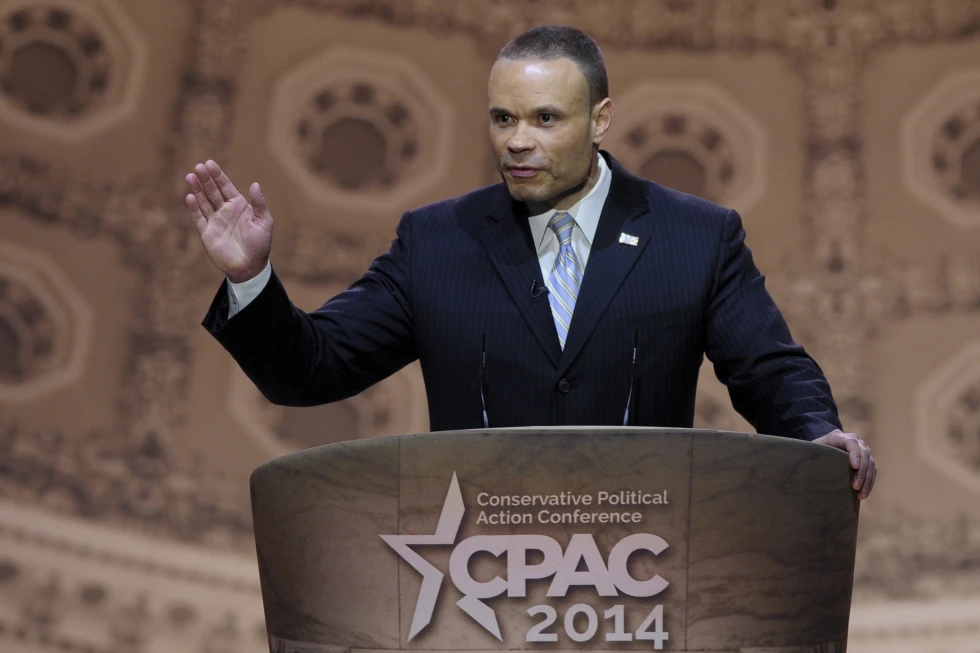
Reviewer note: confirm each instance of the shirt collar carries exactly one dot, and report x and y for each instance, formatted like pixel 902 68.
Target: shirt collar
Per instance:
pixel 586 211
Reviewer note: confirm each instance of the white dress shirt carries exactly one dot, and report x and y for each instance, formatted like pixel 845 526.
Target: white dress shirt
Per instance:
pixel 586 213
pixel 241 295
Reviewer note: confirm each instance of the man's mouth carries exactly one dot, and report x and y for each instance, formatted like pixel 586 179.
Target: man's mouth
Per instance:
pixel 522 173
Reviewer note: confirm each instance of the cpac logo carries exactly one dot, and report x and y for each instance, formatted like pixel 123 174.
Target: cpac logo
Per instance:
pixel 609 578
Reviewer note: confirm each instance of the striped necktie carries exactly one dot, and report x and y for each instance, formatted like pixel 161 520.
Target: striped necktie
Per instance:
pixel 566 275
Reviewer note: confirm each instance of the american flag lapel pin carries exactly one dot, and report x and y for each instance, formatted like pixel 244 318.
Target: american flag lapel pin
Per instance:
pixel 626 239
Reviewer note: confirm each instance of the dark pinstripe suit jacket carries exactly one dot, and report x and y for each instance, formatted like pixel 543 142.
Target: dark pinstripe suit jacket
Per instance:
pixel 461 270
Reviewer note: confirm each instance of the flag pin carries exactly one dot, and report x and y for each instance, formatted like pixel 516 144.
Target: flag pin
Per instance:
pixel 626 239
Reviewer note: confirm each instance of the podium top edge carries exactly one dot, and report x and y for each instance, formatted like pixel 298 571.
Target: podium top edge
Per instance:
pixel 599 431
pixel 573 430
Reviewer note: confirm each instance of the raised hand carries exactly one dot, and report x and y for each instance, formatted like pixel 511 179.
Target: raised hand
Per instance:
pixel 237 233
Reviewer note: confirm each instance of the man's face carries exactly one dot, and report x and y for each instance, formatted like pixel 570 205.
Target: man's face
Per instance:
pixel 543 128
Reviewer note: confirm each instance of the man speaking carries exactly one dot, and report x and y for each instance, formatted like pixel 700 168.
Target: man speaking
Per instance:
pixel 573 293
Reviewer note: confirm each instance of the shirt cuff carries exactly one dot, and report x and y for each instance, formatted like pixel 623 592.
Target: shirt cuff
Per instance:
pixel 241 295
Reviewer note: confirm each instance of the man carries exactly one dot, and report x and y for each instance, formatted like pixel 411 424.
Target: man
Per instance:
pixel 573 293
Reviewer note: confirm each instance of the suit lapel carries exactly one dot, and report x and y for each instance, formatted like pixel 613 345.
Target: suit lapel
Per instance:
pixel 506 241
pixel 609 260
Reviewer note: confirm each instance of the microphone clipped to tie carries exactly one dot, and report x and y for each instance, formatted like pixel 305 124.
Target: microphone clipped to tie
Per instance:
pixel 537 289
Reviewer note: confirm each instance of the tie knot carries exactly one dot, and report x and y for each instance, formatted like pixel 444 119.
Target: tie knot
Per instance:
pixel 561 223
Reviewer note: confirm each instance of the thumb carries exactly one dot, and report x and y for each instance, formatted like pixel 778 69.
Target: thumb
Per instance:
pixel 258 202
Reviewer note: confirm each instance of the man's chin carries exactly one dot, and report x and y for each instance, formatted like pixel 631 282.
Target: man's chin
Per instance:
pixel 525 193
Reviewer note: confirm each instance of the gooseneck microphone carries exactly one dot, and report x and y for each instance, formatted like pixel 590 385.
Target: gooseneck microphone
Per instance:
pixel 629 397
pixel 536 289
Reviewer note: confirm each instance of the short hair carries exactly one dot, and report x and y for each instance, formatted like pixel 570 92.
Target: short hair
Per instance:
pixel 557 41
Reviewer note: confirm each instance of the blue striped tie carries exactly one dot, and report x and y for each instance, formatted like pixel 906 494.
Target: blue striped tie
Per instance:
pixel 566 276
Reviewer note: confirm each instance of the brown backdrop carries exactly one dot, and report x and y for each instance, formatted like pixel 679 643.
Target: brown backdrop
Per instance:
pixel 846 132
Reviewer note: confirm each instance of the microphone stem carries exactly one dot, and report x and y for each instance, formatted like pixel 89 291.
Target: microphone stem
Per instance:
pixel 483 378
pixel 629 397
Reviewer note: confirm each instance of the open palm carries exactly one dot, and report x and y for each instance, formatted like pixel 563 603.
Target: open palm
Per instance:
pixel 236 232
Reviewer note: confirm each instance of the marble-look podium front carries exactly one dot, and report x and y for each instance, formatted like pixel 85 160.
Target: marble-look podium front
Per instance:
pixel 751 536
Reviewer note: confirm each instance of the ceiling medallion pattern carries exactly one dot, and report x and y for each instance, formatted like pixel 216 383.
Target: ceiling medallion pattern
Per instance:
pixel 947 411
pixel 52 62
pixel 45 326
pixel 364 118
pixel 692 137
pixel 378 105
pixel 68 69
pixel 940 142
pixel 964 426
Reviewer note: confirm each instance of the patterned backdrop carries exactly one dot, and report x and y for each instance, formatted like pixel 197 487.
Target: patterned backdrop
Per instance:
pixel 847 133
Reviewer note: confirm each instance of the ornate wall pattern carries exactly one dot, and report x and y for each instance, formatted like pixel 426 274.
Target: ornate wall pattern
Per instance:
pixel 694 138
pixel 68 70
pixel 941 142
pixel 45 326
pixel 79 588
pixel 142 474
pixel 948 418
pixel 379 106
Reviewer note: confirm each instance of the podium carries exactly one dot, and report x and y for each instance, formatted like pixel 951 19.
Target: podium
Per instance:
pixel 558 539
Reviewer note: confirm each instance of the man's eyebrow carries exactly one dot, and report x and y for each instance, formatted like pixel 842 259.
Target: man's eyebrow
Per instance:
pixel 497 111
pixel 549 109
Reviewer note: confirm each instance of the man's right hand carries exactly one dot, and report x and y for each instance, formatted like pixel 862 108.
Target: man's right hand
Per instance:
pixel 237 234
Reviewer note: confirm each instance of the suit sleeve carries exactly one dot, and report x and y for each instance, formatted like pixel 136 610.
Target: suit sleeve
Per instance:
pixel 773 383
pixel 356 339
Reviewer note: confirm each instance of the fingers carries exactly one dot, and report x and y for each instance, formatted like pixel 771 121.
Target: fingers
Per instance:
pixel 863 462
pixel 851 445
pixel 860 457
pixel 259 205
pixel 863 466
pixel 221 180
pixel 210 187
pixel 869 485
pixel 196 215
pixel 203 203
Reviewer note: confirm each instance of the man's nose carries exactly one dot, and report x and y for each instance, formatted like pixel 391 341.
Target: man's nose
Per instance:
pixel 520 139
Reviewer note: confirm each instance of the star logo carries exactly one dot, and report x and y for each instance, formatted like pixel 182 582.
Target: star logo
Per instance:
pixel 446 531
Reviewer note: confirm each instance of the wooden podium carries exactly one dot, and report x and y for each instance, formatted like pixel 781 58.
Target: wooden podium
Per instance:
pixel 558 539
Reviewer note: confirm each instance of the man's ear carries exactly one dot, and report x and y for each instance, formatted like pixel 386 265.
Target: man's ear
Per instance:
pixel 602 115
